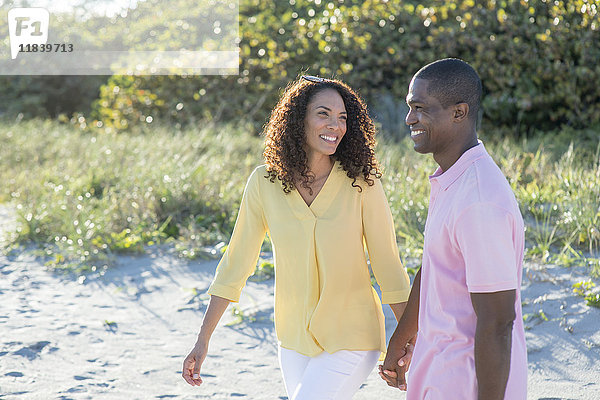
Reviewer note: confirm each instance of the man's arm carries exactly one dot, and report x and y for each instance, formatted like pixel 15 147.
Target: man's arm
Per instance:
pixel 495 316
pixel 406 330
pixel 398 309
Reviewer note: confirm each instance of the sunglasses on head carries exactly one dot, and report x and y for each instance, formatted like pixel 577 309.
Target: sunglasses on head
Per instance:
pixel 314 79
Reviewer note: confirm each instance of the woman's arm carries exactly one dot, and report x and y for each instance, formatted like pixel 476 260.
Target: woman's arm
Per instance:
pixel 236 265
pixel 194 360
pixel 380 238
pixel 240 258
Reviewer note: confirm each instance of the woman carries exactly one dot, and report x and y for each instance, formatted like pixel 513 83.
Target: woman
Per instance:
pixel 319 198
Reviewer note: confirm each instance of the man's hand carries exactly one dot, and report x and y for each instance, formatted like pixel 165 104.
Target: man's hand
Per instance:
pixel 393 369
pixel 402 343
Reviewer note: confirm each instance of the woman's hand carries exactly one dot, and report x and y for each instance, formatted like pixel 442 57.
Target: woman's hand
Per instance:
pixel 410 348
pixel 193 362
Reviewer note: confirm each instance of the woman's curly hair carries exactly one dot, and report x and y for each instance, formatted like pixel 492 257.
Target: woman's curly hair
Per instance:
pixel 285 136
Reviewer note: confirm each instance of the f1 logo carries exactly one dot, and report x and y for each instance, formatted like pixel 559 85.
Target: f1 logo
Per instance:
pixel 27 26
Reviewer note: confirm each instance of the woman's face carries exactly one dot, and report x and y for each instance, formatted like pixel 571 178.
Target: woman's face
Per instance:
pixel 325 122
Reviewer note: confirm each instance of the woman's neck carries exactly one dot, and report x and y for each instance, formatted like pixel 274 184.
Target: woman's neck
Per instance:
pixel 320 165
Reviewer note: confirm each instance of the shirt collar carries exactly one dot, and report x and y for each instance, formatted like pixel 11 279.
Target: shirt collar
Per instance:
pixel 448 177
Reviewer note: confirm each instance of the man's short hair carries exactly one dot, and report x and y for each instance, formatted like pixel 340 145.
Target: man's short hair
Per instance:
pixel 453 81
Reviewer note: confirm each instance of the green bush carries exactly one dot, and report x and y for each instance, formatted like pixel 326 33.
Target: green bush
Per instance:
pixel 48 96
pixel 537 60
pixel 27 96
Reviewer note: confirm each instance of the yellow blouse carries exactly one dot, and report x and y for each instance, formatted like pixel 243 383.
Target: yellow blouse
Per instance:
pixel 324 300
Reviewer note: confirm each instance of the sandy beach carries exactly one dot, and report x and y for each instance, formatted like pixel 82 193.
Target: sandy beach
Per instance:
pixel 124 334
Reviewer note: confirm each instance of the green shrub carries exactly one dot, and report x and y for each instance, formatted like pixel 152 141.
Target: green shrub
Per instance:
pixel 48 96
pixel 537 60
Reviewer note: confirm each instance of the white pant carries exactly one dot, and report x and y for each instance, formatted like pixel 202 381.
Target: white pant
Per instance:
pixel 326 376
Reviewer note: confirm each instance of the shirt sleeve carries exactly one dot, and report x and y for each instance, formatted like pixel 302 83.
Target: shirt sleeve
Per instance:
pixel 239 260
pixel 380 238
pixel 485 235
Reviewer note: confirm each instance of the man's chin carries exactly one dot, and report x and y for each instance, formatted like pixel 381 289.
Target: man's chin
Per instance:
pixel 420 149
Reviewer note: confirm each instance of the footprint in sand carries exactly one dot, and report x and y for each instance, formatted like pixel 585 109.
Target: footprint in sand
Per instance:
pixel 76 389
pixel 31 352
pixel 553 398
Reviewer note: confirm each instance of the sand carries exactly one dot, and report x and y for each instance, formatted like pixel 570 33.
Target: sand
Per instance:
pixel 124 334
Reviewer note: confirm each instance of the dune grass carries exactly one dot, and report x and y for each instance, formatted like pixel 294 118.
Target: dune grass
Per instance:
pixel 558 190
pixel 556 181
pixel 82 196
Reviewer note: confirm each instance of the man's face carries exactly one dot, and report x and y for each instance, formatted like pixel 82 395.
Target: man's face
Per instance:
pixel 430 124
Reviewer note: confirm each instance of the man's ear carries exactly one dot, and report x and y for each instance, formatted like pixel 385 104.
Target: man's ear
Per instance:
pixel 461 111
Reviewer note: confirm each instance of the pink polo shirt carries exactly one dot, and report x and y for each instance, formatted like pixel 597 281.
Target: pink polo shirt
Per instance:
pixel 474 239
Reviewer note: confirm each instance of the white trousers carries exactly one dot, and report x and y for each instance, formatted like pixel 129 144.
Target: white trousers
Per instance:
pixel 336 376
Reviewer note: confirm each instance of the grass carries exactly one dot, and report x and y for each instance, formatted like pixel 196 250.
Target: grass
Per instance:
pixel 239 316
pixel 538 315
pixel 83 196
pixel 585 289
pixel 265 270
pixel 559 194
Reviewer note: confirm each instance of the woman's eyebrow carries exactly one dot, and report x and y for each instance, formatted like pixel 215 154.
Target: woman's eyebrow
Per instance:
pixel 329 109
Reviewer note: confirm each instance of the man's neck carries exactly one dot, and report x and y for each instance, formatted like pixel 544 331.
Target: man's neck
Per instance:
pixel 449 158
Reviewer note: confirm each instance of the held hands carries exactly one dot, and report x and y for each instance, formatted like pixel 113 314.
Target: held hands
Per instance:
pixel 193 362
pixel 397 361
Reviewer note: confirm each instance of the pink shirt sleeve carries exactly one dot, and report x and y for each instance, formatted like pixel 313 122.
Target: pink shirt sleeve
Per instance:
pixel 484 234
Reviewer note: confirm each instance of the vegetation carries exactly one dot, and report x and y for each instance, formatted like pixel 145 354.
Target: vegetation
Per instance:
pixel 265 270
pixel 129 161
pixel 537 60
pixel 83 196
pixel 585 290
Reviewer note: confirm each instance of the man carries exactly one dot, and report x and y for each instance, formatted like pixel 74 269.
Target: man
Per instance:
pixel 465 301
